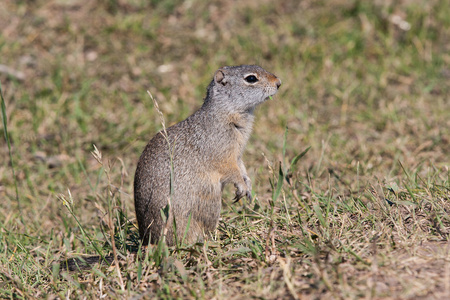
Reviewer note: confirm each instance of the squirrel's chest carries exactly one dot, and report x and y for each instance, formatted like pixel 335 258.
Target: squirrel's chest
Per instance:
pixel 240 128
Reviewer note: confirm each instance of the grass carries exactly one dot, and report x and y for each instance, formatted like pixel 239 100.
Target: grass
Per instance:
pixel 362 214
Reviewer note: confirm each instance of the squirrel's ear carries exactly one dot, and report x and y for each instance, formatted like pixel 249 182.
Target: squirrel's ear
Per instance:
pixel 219 77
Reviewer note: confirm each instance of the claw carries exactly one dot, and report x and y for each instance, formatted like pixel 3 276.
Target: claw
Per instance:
pixel 248 194
pixel 243 190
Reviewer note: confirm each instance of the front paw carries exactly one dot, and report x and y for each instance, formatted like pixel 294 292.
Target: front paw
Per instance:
pixel 243 191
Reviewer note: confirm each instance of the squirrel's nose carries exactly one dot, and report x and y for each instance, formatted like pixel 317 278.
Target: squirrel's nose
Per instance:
pixel 278 83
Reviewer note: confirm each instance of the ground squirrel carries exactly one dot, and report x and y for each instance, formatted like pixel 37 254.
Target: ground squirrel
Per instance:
pixel 205 154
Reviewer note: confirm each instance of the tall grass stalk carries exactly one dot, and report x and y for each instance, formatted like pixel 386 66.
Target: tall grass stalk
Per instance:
pixel 8 142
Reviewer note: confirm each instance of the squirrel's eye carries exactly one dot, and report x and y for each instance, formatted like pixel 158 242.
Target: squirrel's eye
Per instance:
pixel 251 79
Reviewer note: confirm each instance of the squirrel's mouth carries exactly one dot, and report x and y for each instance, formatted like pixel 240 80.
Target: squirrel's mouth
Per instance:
pixel 271 93
pixel 270 97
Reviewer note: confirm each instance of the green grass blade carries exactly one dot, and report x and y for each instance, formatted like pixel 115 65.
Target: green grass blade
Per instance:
pixel 8 142
pixel 277 191
pixel 297 158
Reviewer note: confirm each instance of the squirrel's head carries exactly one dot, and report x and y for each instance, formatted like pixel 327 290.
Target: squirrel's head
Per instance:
pixel 242 88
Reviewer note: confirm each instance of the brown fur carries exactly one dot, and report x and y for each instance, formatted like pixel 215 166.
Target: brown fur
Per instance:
pixel 205 152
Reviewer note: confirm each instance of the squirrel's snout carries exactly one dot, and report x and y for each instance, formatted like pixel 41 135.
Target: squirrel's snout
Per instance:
pixel 278 83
